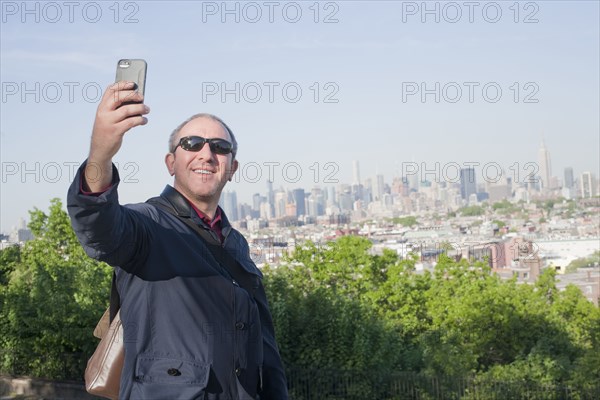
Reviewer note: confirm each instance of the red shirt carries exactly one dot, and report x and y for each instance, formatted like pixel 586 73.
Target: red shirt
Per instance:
pixel 214 224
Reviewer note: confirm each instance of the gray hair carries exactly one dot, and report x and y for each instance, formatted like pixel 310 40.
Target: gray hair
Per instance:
pixel 173 144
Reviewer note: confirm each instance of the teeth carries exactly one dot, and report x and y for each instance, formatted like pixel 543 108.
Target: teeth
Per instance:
pixel 202 171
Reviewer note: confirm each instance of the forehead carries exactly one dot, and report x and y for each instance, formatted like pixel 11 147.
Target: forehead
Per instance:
pixel 205 127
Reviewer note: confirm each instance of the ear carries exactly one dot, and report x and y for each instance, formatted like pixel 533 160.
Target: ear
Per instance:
pixel 170 163
pixel 234 167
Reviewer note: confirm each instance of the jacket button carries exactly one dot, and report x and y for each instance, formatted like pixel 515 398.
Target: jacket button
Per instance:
pixel 173 372
pixel 238 371
pixel 240 326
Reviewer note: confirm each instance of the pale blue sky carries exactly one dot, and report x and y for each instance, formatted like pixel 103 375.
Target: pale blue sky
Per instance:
pixel 364 61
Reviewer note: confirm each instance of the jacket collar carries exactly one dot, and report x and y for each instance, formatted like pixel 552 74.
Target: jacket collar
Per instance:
pixel 184 209
pixel 177 201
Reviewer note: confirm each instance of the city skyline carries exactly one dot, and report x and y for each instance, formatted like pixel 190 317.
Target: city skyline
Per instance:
pixel 417 173
pixel 308 87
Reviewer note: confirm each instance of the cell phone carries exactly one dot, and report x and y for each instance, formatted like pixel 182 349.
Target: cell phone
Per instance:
pixel 133 70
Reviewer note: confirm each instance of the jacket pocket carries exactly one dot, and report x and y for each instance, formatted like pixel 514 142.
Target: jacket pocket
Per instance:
pixel 169 378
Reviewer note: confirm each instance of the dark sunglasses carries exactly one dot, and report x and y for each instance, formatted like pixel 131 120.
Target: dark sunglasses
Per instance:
pixel 196 143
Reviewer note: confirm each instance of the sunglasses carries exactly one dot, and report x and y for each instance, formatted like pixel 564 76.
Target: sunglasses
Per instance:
pixel 196 143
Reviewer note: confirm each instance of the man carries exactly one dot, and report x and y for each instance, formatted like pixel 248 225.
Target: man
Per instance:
pixel 191 331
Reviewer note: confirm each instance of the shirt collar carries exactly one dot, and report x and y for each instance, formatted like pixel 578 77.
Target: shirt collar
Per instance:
pixel 211 223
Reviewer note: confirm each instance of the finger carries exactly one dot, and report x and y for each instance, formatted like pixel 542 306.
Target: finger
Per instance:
pixel 130 110
pixel 131 122
pixel 124 85
pixel 118 86
pixel 112 94
pixel 125 96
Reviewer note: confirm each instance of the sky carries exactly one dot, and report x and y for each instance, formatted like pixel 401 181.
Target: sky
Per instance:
pixel 307 86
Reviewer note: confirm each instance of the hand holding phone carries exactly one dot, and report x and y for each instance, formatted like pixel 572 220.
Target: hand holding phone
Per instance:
pixel 114 117
pixel 132 70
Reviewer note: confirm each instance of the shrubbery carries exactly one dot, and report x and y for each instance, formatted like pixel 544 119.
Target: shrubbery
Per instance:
pixel 338 311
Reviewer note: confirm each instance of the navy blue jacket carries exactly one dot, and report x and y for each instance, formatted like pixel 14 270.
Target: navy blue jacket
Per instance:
pixel 190 332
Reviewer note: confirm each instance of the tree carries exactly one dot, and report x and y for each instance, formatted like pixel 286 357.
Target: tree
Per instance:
pixel 53 298
pixel 9 258
pixel 405 221
pixel 471 211
pixel 589 261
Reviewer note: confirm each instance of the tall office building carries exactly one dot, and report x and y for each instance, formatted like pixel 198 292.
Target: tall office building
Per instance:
pixel 468 184
pixel 355 173
pixel 331 197
pixel 228 203
pixel 569 178
pixel 316 202
pixel 379 186
pixel 270 197
pixel 299 200
pixel 545 167
pixel 345 198
pixel 280 203
pixel 588 185
pixel 256 200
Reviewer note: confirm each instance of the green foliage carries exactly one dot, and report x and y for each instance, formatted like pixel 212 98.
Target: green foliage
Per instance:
pixel 338 308
pixel 589 261
pixel 9 258
pixel 471 211
pixel 405 221
pixel 330 301
pixel 51 301
pixel 499 224
pixel 320 321
pixel 505 207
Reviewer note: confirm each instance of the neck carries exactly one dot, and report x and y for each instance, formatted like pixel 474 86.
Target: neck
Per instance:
pixel 207 209
pixel 206 205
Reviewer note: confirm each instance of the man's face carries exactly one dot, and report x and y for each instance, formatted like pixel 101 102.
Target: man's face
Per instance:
pixel 201 175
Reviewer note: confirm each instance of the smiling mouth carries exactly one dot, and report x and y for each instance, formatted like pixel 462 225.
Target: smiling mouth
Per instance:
pixel 203 172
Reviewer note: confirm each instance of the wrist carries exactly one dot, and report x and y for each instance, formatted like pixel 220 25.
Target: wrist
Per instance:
pixel 97 175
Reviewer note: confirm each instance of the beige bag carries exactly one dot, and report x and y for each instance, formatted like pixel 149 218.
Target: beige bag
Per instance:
pixel 103 371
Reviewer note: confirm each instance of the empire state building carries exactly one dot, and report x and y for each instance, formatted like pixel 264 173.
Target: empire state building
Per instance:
pixel 545 166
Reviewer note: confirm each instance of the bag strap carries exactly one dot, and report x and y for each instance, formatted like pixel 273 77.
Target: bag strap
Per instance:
pixel 230 266
pixel 115 299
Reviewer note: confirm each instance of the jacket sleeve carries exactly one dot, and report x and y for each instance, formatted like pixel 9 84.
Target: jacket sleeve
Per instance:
pixel 274 384
pixel 107 231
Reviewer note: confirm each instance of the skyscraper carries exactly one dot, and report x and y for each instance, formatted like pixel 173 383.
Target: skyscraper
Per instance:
pixel 588 185
pixel 569 180
pixel 545 167
pixel 270 197
pixel 468 185
pixel 299 200
pixel 280 203
pixel 228 203
pixel 256 200
pixel 355 172
pixel 380 187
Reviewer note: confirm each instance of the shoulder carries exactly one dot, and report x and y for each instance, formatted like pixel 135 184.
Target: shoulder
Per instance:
pixel 145 209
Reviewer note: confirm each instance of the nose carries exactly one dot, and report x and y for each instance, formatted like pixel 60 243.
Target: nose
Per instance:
pixel 206 154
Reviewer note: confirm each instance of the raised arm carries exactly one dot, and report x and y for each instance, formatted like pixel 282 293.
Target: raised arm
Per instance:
pixel 108 231
pixel 113 120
